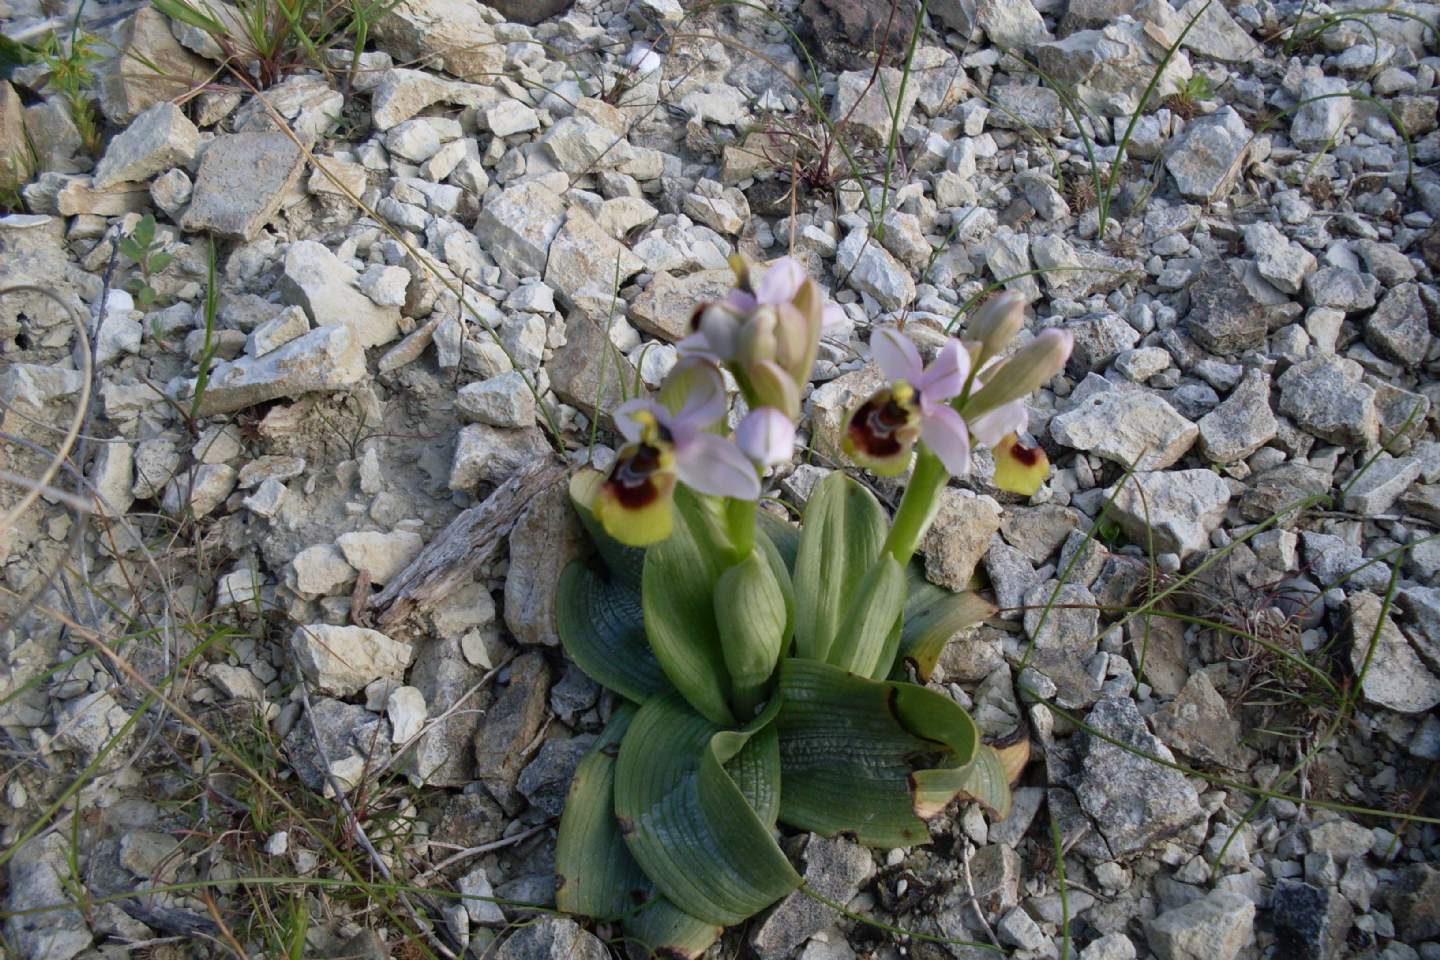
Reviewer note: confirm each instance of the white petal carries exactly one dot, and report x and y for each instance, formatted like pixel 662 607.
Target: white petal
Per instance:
pixel 897 356
pixel 992 427
pixel 766 436
pixel 944 433
pixel 714 465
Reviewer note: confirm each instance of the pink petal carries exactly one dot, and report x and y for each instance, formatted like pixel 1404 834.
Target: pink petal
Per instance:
pixel 897 356
pixel 832 318
pixel 707 402
pixel 945 378
pixel 992 427
pixel 698 347
pixel 625 420
pixel 766 436
pixel 944 433
pixel 714 465
pixel 780 283
pixel 740 301
pixel 720 326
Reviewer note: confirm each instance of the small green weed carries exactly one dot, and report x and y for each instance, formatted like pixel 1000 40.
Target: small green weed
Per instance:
pixel 70 75
pixel 141 248
pixel 1189 94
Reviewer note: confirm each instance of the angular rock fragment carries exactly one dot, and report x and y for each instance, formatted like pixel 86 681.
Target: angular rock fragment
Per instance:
pixel 341 660
pixel 242 181
pixel 329 358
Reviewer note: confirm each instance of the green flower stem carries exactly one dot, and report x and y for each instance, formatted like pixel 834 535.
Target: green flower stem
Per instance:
pixel 740 525
pixel 917 507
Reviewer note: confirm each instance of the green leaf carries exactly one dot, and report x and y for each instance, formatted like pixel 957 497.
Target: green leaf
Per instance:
pixel 602 627
pixel 678 586
pixel 752 615
pixel 686 819
pixel 840 539
pixel 595 874
pixel 160 261
pixel 664 930
pixel 131 249
pixel 985 781
pixel 864 756
pixel 933 616
pixel 144 231
pixel 785 536
pixel 870 620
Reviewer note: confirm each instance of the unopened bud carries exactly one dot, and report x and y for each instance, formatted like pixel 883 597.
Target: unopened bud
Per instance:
pixel 1032 366
pixel 996 324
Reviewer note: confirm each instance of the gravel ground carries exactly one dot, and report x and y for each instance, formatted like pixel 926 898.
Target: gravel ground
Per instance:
pixel 281 607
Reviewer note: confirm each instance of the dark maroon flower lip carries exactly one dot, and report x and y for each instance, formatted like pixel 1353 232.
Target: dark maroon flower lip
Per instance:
pixel 1026 456
pixel 632 480
pixel 876 426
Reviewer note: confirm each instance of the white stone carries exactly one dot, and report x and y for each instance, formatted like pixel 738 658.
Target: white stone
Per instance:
pixel 1176 511
pixel 407 712
pixel 321 569
pixel 159 138
pixel 1127 426
pixel 502 401
pixel 341 660
pixel 277 331
pixel 382 555
pixel 509 117
pixel 316 280
pixel 326 359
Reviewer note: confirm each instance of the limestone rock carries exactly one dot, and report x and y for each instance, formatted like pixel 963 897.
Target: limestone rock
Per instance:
pixel 1394 675
pixel 1133 801
pixel 959 537
pixel 242 181
pixel 1131 427
pixel 1205 160
pixel 1327 397
pixel 329 358
pixel 341 660
pixel 456 36
pixel 148 66
pixel 517 226
pixel 158 139
pixel 317 281
pixel 491 455
pixel 1242 424
pixel 1177 510
pixel 1215 927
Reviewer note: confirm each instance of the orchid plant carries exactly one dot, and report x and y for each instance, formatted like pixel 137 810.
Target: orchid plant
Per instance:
pixel 763 671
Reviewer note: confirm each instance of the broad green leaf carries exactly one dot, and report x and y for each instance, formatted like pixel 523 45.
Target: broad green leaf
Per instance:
pixel 602 626
pixel 840 539
pixel 160 261
pixel 751 613
pixel 983 781
pixel 785 536
pixel 869 620
pixel 863 756
pixel 594 872
pixel 687 820
pixel 677 595
pixel 933 616
pixel 664 930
